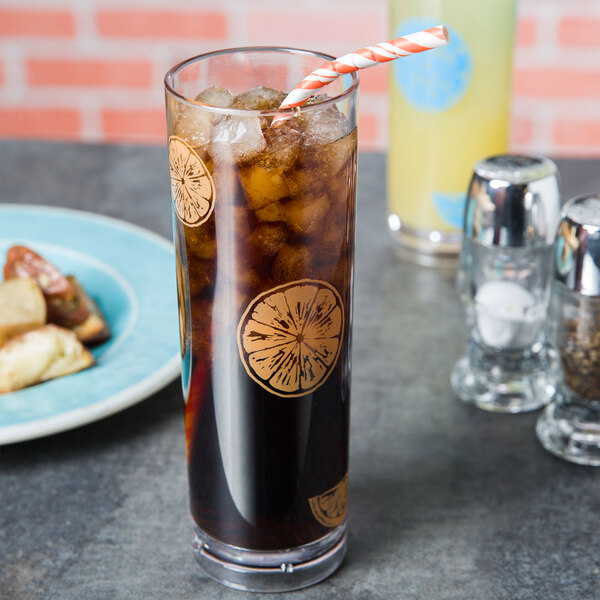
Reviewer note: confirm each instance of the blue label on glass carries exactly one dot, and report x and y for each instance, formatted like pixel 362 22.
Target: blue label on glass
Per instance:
pixel 435 80
pixel 450 207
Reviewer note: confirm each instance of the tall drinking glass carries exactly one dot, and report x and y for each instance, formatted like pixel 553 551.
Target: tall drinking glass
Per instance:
pixel 448 109
pixel 263 219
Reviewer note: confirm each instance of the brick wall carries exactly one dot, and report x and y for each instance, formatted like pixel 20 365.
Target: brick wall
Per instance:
pixel 92 70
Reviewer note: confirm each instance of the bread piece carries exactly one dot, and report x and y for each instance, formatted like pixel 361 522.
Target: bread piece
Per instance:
pixel 22 307
pixel 94 329
pixel 40 355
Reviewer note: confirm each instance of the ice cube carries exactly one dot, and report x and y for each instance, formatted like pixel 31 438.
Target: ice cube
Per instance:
pixel 215 96
pixel 325 271
pixel 341 211
pixel 325 125
pixel 194 126
pixel 328 141
pixel 292 262
pixel 270 213
pixel 263 185
pixel 338 154
pixel 241 275
pixel 307 178
pixel 341 275
pixel 332 242
pixel 201 273
pixel 304 216
pixel 318 98
pixel 234 262
pixel 283 145
pixel 335 273
pixel 201 241
pixel 259 98
pixel 237 139
pixel 268 238
pixel 338 189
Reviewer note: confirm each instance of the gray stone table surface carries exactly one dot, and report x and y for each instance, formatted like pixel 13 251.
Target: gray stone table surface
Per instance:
pixel 446 501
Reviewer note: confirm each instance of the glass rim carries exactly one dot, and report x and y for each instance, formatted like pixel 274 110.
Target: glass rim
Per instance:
pixel 170 88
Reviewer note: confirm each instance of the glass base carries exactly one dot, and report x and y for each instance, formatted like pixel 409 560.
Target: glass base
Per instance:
pixel 498 390
pixel 570 432
pixel 270 571
pixel 424 247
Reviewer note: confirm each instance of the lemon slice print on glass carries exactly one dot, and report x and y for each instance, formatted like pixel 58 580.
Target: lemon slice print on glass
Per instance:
pixel 330 507
pixel 289 337
pixel 192 187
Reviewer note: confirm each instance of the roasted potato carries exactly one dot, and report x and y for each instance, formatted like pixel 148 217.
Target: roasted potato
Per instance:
pixel 94 329
pixel 64 306
pixel 39 355
pixel 22 307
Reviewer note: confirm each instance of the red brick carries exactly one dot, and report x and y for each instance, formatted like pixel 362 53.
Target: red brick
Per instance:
pixel 38 23
pixel 579 32
pixel 374 80
pixel 39 122
pixel 93 72
pixel 526 31
pixel 557 83
pixel 196 25
pixel 134 125
pixel 521 131
pixel 368 130
pixel 314 28
pixel 571 132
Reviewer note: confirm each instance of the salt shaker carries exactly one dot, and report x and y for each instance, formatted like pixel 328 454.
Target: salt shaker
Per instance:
pixel 570 426
pixel 511 217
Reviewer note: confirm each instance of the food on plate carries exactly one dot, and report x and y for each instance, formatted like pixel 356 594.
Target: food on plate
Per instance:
pixel 22 307
pixel 64 306
pixel 45 320
pixel 94 329
pixel 68 304
pixel 39 355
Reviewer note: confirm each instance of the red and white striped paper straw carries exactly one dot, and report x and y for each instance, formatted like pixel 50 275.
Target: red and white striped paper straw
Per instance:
pixel 412 43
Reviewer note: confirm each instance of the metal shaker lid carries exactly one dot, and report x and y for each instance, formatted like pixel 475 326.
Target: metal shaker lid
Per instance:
pixel 513 200
pixel 577 252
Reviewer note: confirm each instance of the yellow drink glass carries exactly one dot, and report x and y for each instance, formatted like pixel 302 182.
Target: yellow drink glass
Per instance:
pixel 448 109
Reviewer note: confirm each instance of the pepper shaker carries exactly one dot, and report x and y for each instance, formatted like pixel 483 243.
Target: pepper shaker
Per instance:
pixel 570 426
pixel 511 216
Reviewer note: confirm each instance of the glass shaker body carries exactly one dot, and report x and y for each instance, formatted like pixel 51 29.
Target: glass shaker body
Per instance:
pixel 569 427
pixel 576 334
pixel 505 293
pixel 510 220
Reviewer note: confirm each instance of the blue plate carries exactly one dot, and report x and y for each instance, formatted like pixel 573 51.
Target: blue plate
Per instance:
pixel 130 272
